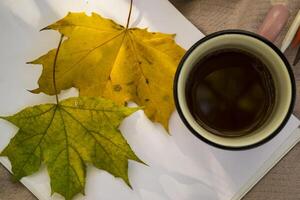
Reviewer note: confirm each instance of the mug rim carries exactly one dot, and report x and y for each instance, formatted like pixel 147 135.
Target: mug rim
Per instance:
pixel 275 49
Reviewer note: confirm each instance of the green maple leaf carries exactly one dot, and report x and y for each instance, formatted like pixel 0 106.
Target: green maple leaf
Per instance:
pixel 67 136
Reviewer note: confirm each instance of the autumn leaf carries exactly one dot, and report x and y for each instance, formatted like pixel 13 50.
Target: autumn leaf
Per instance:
pixel 66 137
pixel 103 58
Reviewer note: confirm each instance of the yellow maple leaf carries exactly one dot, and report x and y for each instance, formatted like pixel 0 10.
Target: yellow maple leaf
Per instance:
pixel 103 58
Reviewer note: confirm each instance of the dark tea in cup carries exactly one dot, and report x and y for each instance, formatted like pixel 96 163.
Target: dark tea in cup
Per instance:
pixel 234 89
pixel 230 92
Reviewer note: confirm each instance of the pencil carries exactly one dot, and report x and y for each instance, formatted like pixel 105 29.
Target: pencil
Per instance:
pixel 291 33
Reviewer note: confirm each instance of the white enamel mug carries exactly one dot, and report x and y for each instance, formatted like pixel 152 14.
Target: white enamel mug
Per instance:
pixel 278 66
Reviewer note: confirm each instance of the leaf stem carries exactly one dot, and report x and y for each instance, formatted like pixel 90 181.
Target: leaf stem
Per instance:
pixel 129 14
pixel 54 68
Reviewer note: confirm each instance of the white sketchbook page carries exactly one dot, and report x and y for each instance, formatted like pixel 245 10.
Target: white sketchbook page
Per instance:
pixel 284 148
pixel 180 167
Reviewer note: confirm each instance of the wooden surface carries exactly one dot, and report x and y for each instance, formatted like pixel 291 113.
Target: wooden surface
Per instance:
pixel 283 182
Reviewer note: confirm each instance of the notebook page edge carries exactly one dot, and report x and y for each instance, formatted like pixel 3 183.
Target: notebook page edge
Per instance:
pixel 269 164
